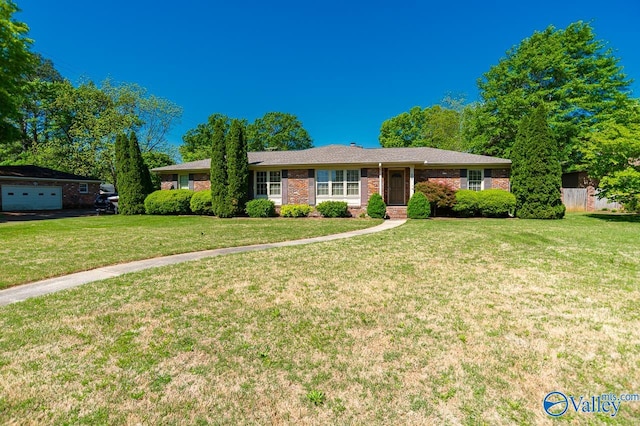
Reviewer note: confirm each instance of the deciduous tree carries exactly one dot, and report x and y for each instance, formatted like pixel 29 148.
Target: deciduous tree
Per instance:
pixel 277 131
pixel 434 127
pixel 196 143
pixel 579 79
pixel 16 62
pixel 612 155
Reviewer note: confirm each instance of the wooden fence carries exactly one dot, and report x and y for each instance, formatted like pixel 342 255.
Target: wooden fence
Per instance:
pixel 576 200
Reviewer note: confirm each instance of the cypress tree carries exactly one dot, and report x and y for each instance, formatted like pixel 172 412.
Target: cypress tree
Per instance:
pixel 218 171
pixel 137 180
pixel 237 168
pixel 537 173
pixel 122 158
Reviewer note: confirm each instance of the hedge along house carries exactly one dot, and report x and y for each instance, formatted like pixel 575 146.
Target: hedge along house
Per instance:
pixel 39 188
pixel 351 174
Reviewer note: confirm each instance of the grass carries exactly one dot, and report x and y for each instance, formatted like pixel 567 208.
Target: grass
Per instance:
pixel 436 322
pixel 36 250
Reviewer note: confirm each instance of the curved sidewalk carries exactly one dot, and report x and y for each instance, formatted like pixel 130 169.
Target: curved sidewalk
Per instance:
pixel 52 285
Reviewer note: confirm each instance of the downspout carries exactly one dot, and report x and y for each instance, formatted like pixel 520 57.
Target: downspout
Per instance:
pixel 380 189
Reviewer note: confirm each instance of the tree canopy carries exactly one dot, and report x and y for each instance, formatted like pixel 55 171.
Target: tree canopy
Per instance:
pixel 612 155
pixel 579 79
pixel 16 62
pixel 434 126
pixel 277 131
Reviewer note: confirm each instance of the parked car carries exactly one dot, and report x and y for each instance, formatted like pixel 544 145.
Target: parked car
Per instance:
pixel 104 205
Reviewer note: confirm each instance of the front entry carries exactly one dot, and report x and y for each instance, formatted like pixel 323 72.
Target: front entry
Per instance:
pixel 396 187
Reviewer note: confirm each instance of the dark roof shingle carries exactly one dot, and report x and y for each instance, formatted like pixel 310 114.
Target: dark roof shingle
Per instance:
pixel 341 154
pixel 30 172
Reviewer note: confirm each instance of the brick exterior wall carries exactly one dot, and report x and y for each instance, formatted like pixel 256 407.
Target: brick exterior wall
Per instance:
pixel 167 182
pixel 298 187
pixel 373 182
pixel 500 179
pixel 449 177
pixel 71 196
pixel 201 181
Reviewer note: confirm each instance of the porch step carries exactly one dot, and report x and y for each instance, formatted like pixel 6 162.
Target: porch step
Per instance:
pixel 397 212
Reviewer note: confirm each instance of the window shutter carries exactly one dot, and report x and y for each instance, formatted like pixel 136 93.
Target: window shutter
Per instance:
pixel 463 179
pixel 487 179
pixel 284 186
pixel 191 181
pixel 312 187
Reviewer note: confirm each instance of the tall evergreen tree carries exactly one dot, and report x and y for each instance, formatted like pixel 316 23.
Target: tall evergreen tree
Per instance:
pixel 137 181
pixel 536 173
pixel 237 168
pixel 218 172
pixel 122 162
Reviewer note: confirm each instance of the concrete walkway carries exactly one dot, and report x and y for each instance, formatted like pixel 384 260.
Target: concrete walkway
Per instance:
pixel 52 285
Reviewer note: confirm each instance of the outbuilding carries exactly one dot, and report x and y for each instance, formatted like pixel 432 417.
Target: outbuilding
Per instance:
pixel 24 188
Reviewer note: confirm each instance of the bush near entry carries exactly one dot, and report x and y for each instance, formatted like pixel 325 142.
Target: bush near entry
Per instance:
pixel 466 203
pixel 295 210
pixel 260 208
pixel 333 209
pixel 418 207
pixel 201 203
pixel 169 202
pixel 496 203
pixel 376 207
pixel 441 197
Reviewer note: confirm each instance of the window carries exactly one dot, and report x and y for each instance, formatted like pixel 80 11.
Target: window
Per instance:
pixel 83 188
pixel 184 182
pixel 269 184
pixel 338 183
pixel 475 180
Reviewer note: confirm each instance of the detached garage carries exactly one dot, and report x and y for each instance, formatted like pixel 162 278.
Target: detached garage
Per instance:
pixel 24 188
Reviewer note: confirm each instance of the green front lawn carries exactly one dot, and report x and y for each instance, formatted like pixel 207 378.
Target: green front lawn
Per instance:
pixel 435 322
pixel 36 250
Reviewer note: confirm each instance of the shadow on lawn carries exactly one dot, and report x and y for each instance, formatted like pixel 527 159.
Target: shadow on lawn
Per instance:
pixel 44 214
pixel 619 217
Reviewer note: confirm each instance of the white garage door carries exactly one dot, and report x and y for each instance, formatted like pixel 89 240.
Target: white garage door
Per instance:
pixel 22 197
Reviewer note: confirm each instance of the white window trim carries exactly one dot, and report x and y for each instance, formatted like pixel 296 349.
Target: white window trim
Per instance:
pixel 277 199
pixel 352 200
pixel 83 188
pixel 481 178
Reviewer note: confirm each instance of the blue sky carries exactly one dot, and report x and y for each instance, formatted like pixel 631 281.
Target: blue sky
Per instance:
pixel 342 67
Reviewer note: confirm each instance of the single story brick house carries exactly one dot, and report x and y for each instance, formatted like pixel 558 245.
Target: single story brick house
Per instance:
pixel 39 188
pixel 351 174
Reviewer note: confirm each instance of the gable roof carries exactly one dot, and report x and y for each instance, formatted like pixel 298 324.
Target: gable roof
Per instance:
pixel 36 172
pixel 355 155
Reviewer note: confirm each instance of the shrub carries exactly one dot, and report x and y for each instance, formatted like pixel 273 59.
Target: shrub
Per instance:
pixel 295 210
pixel 466 203
pixel 418 207
pixel 496 203
pixel 260 208
pixel 441 197
pixel 376 208
pixel 333 209
pixel 169 202
pixel 201 203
